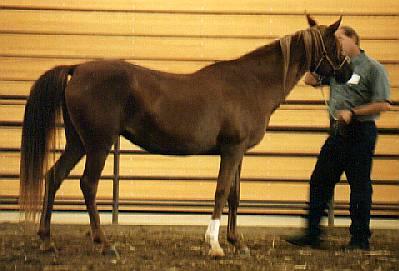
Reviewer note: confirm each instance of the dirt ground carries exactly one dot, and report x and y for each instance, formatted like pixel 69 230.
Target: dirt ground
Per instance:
pixel 183 248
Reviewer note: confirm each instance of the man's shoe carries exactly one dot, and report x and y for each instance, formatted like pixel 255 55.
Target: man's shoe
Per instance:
pixel 355 243
pixel 305 240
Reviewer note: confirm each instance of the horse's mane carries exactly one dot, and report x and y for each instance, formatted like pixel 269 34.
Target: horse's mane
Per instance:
pixel 312 43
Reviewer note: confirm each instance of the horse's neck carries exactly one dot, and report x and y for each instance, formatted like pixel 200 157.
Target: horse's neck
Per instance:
pixel 277 67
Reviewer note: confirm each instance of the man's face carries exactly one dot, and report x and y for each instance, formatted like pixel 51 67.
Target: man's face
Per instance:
pixel 348 44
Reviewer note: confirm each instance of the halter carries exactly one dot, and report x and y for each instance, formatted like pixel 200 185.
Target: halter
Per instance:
pixel 333 66
pixel 326 57
pixel 285 43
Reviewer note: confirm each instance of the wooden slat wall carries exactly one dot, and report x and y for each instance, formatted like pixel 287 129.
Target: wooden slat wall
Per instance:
pixel 284 7
pixel 182 36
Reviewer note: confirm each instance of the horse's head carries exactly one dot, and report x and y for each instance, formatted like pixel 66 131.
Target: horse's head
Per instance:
pixel 328 59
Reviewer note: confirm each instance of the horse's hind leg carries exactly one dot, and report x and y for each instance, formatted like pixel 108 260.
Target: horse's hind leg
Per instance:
pixel 53 179
pixel 234 201
pixel 95 161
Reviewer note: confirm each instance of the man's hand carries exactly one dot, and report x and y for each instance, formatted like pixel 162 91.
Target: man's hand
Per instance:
pixel 311 79
pixel 344 115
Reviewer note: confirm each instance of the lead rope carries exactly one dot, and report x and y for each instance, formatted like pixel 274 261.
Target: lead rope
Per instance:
pixel 326 103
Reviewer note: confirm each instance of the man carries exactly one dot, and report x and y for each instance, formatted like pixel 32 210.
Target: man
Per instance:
pixel 349 148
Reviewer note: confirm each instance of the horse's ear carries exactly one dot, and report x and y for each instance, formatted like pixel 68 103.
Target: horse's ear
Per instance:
pixel 311 21
pixel 335 25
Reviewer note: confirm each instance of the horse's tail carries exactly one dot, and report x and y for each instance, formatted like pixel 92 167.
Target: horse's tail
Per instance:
pixel 42 110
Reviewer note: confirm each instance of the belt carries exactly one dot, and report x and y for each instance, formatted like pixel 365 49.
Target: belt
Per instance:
pixel 339 127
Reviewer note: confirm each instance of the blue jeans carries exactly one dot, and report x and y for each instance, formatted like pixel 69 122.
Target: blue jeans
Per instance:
pixel 349 149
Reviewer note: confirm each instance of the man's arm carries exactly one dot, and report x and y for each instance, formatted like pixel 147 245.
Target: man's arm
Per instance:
pixel 363 110
pixel 379 101
pixel 371 108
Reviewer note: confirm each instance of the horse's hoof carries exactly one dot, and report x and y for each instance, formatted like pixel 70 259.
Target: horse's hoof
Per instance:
pixel 110 251
pixel 47 246
pixel 216 252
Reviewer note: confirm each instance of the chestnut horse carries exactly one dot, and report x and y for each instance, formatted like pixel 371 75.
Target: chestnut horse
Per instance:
pixel 223 109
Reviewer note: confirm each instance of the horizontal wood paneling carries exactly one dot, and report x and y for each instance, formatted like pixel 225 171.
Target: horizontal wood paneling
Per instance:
pixel 309 118
pixel 16 68
pixel 254 167
pixel 23 68
pixel 19 90
pixel 169 24
pixel 169 48
pixel 202 190
pixel 210 6
pixel 273 142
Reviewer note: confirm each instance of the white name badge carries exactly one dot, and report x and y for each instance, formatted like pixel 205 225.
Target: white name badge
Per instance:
pixel 355 79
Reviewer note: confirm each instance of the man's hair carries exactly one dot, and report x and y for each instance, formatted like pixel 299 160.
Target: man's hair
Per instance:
pixel 351 33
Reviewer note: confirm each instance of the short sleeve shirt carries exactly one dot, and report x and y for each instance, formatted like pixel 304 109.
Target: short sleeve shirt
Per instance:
pixel 369 83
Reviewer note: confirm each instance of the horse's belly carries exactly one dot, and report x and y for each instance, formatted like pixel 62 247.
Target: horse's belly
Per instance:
pixel 159 141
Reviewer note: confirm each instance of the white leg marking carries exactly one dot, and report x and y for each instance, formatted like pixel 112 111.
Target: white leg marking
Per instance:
pixel 212 237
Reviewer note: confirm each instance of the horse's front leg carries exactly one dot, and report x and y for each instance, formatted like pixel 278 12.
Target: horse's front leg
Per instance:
pixel 234 201
pixel 231 157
